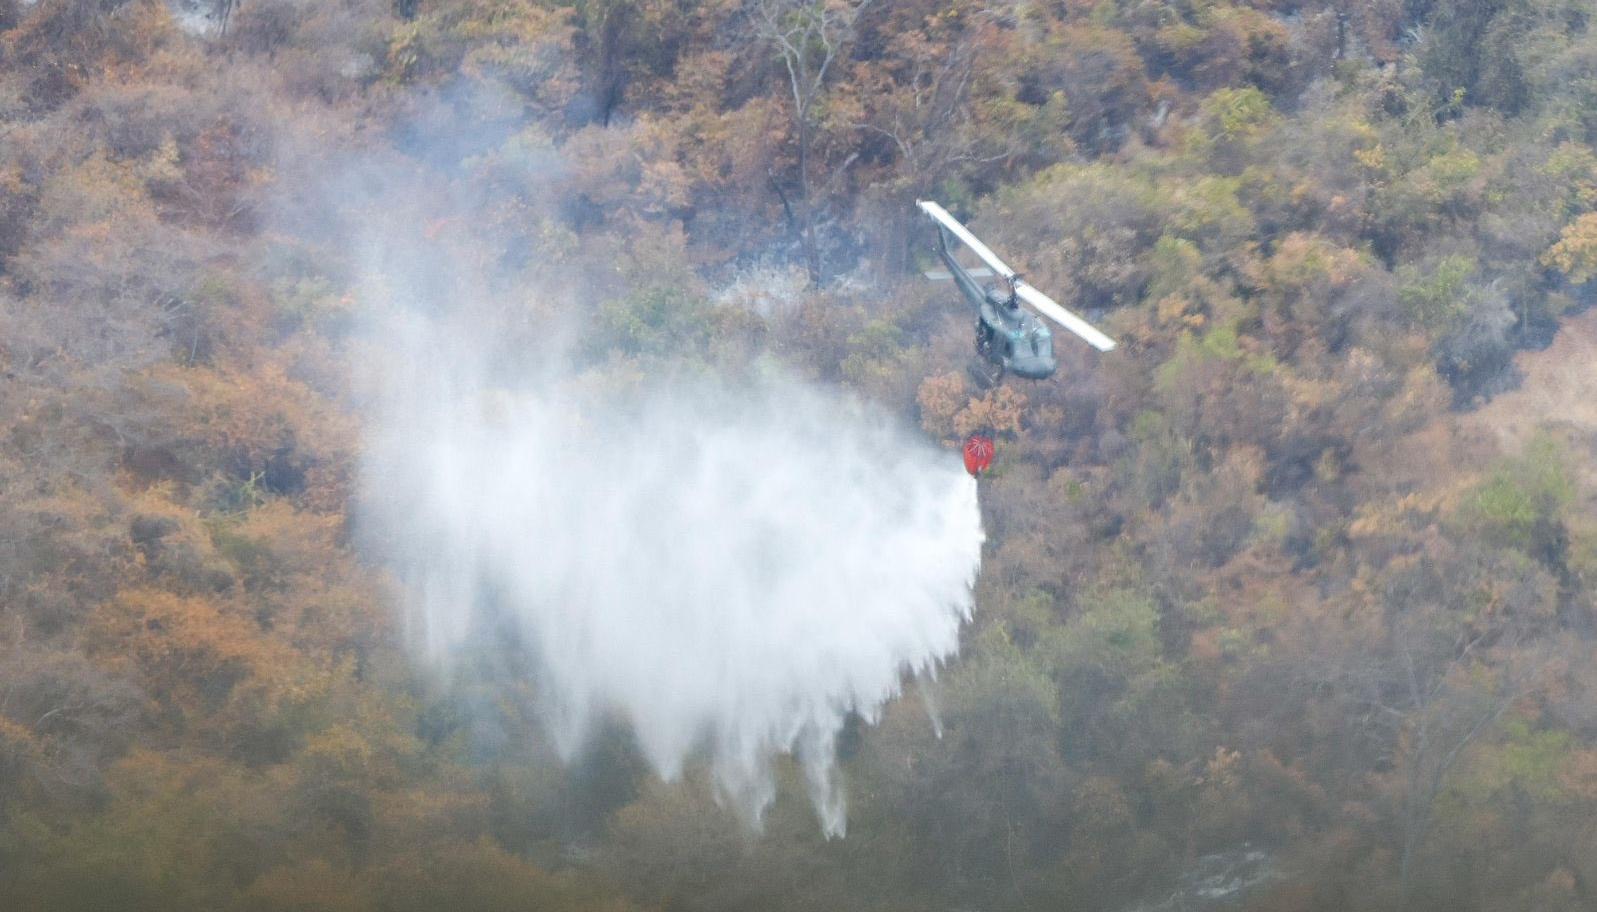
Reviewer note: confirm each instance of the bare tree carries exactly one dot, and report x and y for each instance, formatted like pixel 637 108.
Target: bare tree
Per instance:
pixel 61 721
pixel 1442 717
pixel 809 36
pixel 919 106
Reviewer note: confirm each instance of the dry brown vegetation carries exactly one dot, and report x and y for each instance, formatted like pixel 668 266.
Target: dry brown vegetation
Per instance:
pixel 1300 566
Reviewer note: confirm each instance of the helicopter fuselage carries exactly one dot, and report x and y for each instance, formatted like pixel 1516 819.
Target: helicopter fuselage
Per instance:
pixel 1007 335
pixel 1017 340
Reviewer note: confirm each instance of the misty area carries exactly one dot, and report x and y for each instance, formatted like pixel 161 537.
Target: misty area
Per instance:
pixel 509 455
pixel 744 561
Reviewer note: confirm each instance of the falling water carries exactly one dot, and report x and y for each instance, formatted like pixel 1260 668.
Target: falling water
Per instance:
pixel 734 567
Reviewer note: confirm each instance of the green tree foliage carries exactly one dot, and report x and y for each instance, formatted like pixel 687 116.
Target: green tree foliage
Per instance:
pixel 1522 503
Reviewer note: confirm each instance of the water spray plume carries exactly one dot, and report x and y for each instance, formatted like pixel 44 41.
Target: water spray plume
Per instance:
pixel 733 566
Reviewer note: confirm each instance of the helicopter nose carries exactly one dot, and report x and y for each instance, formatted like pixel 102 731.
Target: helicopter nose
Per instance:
pixel 1032 368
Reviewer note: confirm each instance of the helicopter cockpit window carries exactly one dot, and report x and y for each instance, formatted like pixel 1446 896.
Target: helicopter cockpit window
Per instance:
pixel 1041 341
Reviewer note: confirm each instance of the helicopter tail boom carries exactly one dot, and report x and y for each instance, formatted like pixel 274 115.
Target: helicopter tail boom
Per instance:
pixel 964 278
pixel 970 240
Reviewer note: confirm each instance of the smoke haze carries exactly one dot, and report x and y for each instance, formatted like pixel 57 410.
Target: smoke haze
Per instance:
pixel 733 566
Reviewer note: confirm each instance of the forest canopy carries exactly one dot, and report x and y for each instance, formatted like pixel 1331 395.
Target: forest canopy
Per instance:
pixel 1307 566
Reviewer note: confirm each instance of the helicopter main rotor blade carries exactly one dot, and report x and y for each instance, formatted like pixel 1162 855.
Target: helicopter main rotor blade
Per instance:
pixel 970 240
pixel 943 275
pixel 1051 309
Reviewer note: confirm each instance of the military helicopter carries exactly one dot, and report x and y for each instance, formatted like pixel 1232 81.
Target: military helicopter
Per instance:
pixel 1008 337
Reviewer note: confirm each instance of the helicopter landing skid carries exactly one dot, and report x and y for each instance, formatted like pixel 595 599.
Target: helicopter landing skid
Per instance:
pixel 986 370
pixel 986 374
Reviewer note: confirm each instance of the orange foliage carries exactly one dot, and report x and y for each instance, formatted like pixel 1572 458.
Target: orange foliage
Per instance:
pixel 941 397
pixel 1575 254
pixel 265 429
pixel 949 411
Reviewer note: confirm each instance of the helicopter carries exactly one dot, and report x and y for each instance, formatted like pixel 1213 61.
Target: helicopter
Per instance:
pixel 1008 336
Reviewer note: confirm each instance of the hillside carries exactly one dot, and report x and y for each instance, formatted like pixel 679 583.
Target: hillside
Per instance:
pixel 1305 568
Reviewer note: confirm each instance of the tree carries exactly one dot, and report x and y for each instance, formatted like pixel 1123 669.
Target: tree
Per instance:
pixel 809 36
pixel 1575 254
pixel 61 721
